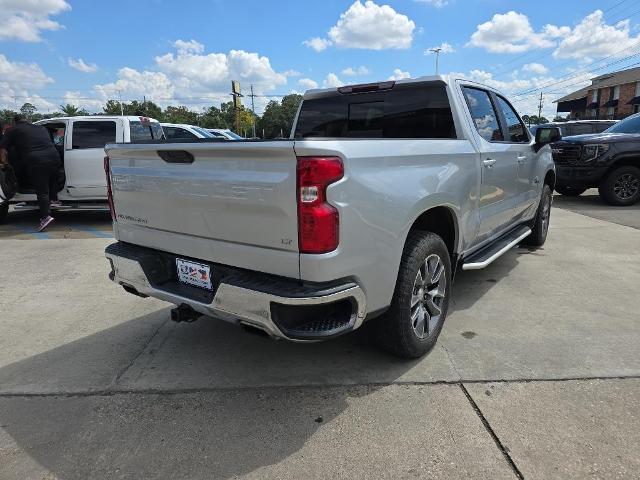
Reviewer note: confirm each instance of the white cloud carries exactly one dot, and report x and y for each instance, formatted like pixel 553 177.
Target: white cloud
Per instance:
pixel 353 72
pixel 190 76
pixel 24 20
pixel 399 75
pixel 81 66
pixel 536 68
pixel 434 3
pixel 134 84
pixel 18 79
pixel 317 43
pixel 332 81
pixel 593 37
pixel 307 83
pixel 368 26
pixel 82 101
pixel 188 46
pixel 509 33
pixel 291 73
pixel 444 48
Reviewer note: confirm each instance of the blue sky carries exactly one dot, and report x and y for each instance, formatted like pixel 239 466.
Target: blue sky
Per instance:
pixel 83 52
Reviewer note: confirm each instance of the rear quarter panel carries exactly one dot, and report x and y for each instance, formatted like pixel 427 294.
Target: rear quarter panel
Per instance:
pixel 387 185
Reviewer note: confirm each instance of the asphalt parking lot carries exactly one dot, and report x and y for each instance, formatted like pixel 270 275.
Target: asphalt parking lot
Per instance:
pixel 536 373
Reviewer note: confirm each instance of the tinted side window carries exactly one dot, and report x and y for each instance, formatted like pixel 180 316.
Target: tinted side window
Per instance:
pixel 581 129
pixel 405 111
pixel 598 127
pixel 173 133
pixel 483 115
pixel 515 128
pixel 144 131
pixel 93 134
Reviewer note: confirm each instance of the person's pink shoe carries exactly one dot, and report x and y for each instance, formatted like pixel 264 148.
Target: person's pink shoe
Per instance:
pixel 45 222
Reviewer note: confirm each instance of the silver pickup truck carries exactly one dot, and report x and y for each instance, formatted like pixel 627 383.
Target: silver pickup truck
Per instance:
pixel 382 192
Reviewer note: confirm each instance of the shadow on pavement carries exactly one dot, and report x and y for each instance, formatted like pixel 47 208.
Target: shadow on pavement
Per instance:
pixel 103 431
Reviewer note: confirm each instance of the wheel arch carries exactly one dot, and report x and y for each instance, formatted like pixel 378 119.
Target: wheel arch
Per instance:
pixel 632 160
pixel 442 221
pixel 550 179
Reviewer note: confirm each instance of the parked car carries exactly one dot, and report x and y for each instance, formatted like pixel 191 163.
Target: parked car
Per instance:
pixel 577 127
pixel 80 142
pixel 224 133
pixel 609 161
pixel 173 131
pixel 365 213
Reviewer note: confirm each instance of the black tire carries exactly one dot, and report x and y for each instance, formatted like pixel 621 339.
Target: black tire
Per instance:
pixel 4 212
pixel 569 191
pixel 397 330
pixel 621 187
pixel 540 224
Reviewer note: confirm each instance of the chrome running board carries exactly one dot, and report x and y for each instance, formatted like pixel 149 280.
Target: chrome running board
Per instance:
pixel 495 250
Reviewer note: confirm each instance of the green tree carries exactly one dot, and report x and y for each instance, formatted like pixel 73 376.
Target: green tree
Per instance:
pixel 213 118
pixel 70 110
pixel 277 118
pixel 28 110
pixel 112 107
pixel 6 115
pixel 534 120
pixel 180 114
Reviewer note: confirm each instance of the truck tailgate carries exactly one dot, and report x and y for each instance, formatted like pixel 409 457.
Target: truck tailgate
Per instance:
pixel 235 204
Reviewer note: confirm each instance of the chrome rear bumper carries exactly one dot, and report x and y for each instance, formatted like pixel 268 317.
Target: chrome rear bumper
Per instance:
pixel 247 304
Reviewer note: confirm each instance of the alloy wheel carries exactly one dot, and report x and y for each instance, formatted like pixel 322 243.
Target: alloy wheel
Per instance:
pixel 428 295
pixel 626 186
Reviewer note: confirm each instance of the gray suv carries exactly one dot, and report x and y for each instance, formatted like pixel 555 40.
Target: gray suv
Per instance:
pixel 382 192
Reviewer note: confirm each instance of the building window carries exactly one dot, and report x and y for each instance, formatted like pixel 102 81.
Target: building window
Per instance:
pixel 636 108
pixel 594 113
pixel 611 113
pixel 637 90
pixel 594 96
pixel 616 92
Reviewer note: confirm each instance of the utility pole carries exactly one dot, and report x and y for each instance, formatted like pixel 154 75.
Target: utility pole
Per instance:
pixel 121 107
pixel 437 51
pixel 253 114
pixel 540 105
pixel 237 102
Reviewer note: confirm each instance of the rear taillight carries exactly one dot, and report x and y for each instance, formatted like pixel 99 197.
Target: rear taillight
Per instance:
pixel 107 172
pixel 318 221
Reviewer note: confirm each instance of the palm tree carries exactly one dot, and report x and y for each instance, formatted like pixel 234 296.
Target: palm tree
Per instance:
pixel 70 110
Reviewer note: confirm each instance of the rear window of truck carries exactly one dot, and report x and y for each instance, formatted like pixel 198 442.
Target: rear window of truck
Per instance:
pixel 405 111
pixel 141 131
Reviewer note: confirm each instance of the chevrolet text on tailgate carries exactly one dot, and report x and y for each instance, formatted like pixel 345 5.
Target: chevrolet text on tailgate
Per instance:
pixel 381 194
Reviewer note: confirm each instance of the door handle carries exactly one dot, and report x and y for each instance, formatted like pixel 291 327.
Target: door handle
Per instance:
pixel 489 162
pixel 522 159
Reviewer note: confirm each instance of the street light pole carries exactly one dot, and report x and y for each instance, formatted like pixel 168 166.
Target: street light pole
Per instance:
pixel 437 51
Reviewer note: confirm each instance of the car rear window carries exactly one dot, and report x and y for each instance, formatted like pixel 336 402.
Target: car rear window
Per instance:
pixel 145 131
pixel 405 111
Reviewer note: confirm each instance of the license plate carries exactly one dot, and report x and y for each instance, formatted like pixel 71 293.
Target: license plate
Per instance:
pixel 195 274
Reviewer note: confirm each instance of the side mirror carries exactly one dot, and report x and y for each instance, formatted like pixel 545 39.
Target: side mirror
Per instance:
pixel 546 135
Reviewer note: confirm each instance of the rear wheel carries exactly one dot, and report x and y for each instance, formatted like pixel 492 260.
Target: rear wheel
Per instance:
pixel 621 187
pixel 568 191
pixel 4 212
pixel 411 326
pixel 540 224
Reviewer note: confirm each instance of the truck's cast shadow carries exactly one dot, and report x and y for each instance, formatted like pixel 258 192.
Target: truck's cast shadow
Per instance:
pixel 183 417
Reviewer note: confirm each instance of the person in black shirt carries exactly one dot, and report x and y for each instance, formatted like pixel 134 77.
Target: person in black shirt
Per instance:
pixel 36 150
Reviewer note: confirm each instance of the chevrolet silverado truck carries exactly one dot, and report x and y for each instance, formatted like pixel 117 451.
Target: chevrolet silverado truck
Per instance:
pixel 609 160
pixel 382 192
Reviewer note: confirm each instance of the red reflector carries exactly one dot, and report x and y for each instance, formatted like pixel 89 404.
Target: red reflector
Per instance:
pixel 318 221
pixel 107 172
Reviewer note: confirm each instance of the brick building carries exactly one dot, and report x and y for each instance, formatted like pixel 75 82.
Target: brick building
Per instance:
pixel 613 95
